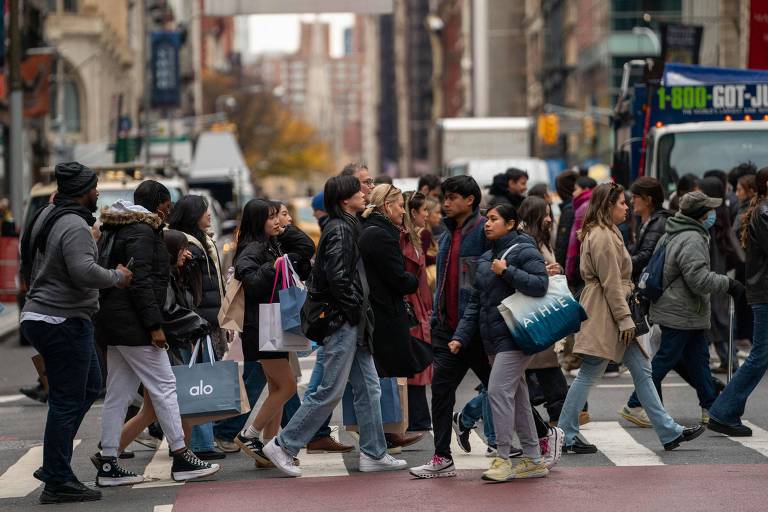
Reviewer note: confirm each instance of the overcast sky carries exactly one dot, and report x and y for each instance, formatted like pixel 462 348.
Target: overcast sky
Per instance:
pixel 280 32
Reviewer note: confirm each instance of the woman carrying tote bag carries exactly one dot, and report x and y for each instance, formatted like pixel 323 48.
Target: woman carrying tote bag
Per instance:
pixel 609 332
pixel 513 265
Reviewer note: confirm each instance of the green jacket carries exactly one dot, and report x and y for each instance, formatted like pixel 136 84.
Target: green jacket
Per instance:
pixel 688 280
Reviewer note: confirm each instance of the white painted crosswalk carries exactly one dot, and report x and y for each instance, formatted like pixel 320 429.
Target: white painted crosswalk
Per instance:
pixel 17 481
pixel 618 445
pixel 617 442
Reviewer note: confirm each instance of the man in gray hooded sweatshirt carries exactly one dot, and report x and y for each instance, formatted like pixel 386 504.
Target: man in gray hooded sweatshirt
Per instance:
pixel 59 254
pixel 683 311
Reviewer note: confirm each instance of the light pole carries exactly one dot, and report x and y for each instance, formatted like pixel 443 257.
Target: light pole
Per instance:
pixel 16 174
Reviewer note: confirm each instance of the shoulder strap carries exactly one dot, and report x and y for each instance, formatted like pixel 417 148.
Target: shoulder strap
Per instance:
pixel 504 256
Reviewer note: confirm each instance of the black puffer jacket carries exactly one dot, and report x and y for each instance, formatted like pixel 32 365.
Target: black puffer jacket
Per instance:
pixel 255 268
pixel 335 277
pixel 203 272
pixel 564 225
pixel 389 282
pixel 647 238
pixel 301 248
pixel 757 257
pixel 526 273
pixel 127 316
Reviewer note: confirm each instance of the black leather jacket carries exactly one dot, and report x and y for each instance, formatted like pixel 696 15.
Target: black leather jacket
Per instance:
pixel 757 257
pixel 335 277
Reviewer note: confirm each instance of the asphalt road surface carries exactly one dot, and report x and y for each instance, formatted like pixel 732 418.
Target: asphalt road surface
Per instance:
pixel 712 473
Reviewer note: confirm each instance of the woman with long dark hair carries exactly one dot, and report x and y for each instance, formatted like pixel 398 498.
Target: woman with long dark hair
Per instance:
pixel 256 260
pixel 609 332
pixel 513 265
pixel 202 280
pixel 725 414
pixel 544 369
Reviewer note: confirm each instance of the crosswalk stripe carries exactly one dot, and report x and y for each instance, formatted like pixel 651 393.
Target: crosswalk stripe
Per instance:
pixel 10 398
pixel 163 508
pixel 323 464
pixel 758 441
pixel 18 481
pixel 475 459
pixel 615 443
pixel 158 471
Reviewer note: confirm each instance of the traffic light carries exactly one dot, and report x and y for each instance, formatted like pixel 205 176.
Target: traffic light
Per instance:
pixel 548 128
pixel 588 125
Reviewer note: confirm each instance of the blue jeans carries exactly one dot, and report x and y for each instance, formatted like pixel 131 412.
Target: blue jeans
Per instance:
pixel 690 350
pixel 729 406
pixel 255 381
pixel 344 361
pixel 476 409
pixel 74 380
pixel 592 368
pixel 314 382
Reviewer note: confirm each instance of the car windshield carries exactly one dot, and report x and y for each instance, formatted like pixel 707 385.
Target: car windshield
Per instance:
pixel 698 152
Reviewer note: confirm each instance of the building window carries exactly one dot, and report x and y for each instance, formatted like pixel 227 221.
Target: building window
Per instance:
pixel 71 106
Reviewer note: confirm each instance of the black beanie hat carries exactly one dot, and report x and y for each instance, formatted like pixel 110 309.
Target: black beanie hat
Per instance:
pixel 74 179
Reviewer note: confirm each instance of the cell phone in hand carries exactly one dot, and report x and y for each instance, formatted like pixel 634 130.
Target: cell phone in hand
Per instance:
pixel 129 266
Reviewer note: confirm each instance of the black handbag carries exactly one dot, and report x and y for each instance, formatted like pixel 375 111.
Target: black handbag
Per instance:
pixel 315 318
pixel 638 308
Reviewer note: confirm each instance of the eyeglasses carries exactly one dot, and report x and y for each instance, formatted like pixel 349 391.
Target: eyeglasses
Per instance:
pixel 368 182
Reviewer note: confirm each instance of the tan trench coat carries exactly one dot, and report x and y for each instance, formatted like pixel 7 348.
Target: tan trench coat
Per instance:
pixel 546 358
pixel 606 268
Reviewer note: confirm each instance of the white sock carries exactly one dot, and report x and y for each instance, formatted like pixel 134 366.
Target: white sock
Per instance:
pixel 251 433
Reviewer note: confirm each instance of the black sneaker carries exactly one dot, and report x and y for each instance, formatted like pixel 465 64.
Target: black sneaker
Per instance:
pixel 462 434
pixel 69 492
pixel 689 434
pixel 111 474
pixel 186 466
pixel 252 447
pixel 580 446
pixel 37 393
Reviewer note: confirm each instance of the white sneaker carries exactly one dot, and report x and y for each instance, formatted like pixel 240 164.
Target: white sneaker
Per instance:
pixel 386 463
pixel 554 447
pixel 437 467
pixel 281 459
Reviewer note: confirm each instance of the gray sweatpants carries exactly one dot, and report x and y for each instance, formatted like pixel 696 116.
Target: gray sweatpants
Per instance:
pixel 127 367
pixel 510 405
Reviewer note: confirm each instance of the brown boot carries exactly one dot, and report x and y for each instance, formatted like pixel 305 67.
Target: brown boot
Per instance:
pixel 327 445
pixel 403 440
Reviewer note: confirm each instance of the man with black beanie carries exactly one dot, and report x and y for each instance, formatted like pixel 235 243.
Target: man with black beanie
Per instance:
pixel 59 258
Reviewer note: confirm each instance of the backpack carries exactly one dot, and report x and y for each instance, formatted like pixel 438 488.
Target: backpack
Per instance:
pixel 651 283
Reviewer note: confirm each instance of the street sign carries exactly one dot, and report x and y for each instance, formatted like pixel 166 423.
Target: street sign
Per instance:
pixel 166 79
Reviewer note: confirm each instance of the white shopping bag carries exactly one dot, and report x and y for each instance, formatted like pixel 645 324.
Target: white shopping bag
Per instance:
pixel 272 337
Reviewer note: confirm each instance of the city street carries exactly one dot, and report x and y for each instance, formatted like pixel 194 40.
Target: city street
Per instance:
pixel 711 473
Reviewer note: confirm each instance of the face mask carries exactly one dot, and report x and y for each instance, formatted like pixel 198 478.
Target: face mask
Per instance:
pixel 710 220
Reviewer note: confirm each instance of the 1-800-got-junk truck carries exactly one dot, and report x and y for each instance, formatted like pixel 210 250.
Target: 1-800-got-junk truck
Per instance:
pixel 693 120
